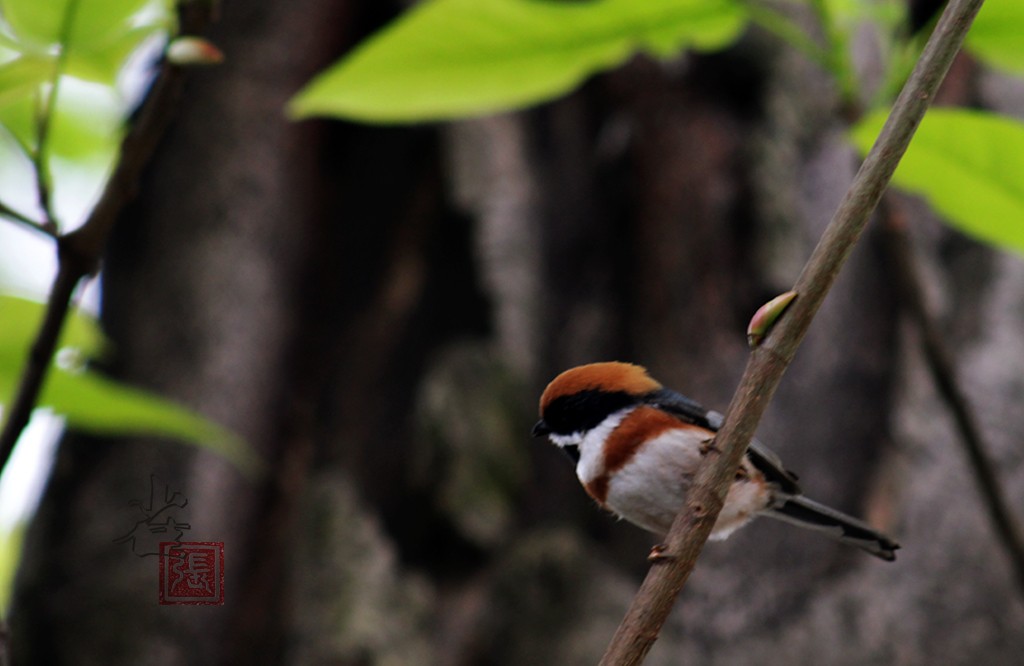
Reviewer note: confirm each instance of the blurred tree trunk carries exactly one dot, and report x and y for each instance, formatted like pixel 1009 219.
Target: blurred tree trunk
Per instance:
pixel 376 310
pixel 208 298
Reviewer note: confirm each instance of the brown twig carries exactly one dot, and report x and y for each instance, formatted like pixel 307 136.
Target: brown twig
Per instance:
pixel 80 251
pixel 645 617
pixel 940 365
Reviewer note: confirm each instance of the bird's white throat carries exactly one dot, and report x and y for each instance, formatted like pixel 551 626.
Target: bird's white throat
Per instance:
pixel 574 439
pixel 591 463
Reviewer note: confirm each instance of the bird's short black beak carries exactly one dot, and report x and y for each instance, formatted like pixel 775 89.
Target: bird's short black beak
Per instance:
pixel 540 429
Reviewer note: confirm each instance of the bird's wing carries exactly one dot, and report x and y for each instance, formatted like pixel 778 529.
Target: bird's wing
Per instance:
pixel 682 407
pixel 763 458
pixel 769 464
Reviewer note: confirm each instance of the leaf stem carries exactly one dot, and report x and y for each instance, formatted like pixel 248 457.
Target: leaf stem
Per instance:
pixel 900 63
pixel 15 216
pixel 788 31
pixel 838 59
pixel 44 121
pixel 666 577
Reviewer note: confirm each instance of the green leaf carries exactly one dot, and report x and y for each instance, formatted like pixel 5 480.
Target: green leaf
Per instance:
pixel 18 118
pixel 86 124
pixel 40 22
pixel 103 33
pixel 19 322
pixel 11 539
pixel 103 63
pixel 20 78
pixel 454 58
pixel 84 140
pixel 968 165
pixel 94 403
pixel 996 35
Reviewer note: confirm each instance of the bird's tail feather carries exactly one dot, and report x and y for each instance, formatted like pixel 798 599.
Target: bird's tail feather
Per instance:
pixel 801 511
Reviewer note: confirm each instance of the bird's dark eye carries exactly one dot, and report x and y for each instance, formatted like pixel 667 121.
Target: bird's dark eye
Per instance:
pixel 584 410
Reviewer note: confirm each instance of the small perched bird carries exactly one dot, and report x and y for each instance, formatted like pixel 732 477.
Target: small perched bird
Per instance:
pixel 637 447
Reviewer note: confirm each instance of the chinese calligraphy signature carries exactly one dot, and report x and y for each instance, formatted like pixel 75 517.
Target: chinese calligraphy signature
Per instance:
pixel 158 522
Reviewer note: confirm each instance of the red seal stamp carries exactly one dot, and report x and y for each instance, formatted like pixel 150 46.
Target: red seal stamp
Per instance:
pixel 191 573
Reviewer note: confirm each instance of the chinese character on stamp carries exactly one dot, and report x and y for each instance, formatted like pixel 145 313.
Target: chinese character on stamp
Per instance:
pixel 192 573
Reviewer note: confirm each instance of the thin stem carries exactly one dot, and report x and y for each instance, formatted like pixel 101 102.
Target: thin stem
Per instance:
pixel 28 151
pixel 940 364
pixel 900 62
pixel 837 53
pixel 44 119
pixel 785 29
pixel 15 216
pixel 666 577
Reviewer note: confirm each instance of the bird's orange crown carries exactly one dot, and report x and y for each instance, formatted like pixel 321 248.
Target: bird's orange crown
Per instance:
pixel 611 377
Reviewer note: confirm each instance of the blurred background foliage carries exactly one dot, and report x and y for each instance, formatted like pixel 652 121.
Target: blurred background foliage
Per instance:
pixel 71 72
pixel 67 91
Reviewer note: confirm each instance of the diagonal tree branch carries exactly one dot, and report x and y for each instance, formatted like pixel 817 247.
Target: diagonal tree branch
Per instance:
pixel 79 252
pixel 940 364
pixel 666 577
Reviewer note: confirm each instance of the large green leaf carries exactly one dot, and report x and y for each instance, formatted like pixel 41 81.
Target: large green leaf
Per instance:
pixel 968 165
pixel 102 63
pixel 94 403
pixel 102 35
pixel 41 22
pixel 997 36
pixel 86 124
pixel 454 58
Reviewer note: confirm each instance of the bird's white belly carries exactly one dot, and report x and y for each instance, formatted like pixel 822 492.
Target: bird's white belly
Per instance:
pixel 650 489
